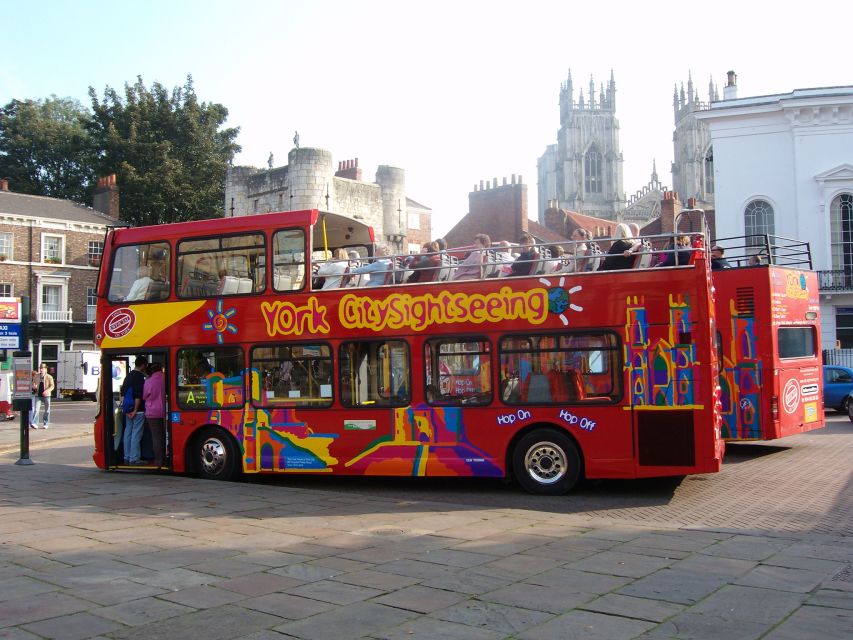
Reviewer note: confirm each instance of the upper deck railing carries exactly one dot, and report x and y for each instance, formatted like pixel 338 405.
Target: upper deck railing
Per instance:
pixel 766 249
pixel 505 259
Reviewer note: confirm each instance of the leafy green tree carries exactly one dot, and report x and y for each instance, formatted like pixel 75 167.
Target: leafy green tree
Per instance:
pixel 167 149
pixel 45 148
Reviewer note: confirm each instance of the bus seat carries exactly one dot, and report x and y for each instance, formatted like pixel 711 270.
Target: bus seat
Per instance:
pixel 536 388
pixel 282 282
pixel 595 257
pixel 244 285
pixel 493 267
pixel 446 270
pixel 542 263
pixel 644 258
pixel 156 290
pixel 576 384
pixel 229 285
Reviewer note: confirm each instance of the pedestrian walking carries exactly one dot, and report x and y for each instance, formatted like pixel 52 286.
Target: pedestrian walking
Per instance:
pixel 42 389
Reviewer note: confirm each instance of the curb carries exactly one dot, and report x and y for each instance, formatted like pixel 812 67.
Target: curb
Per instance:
pixel 6 448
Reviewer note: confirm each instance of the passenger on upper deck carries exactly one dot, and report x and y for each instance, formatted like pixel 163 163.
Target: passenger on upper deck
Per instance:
pixel 378 269
pixel 580 250
pixel 503 256
pixel 620 255
pixel 140 285
pixel 526 261
pixel 717 259
pixel 472 265
pixel 426 266
pixel 679 254
pixel 555 264
pixel 333 270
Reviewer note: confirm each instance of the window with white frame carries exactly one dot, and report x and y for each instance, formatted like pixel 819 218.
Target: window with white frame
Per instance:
pixel 5 289
pixel 5 246
pixel 91 303
pixel 414 221
pixel 52 249
pixel 841 227
pixel 96 250
pixel 758 222
pixel 51 297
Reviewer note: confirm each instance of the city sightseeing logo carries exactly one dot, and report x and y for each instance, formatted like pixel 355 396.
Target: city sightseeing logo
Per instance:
pixel 119 323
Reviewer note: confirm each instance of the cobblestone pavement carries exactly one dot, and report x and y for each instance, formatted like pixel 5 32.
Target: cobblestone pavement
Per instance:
pixel 760 550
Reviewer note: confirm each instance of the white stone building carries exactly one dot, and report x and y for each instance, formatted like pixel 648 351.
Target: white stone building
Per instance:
pixel 693 154
pixel 783 165
pixel 583 170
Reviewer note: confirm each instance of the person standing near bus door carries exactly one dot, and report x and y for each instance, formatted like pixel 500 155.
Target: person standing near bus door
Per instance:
pixel 135 418
pixel 42 389
pixel 154 401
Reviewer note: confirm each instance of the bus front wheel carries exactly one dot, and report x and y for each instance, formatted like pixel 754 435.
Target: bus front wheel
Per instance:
pixel 215 455
pixel 546 462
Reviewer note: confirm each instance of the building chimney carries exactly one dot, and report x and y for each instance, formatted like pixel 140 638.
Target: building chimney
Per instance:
pixel 670 207
pixel 105 197
pixel 349 169
pixel 730 90
pixel 4 184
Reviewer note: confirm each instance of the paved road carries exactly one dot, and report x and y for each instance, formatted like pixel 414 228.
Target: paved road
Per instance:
pixel 760 550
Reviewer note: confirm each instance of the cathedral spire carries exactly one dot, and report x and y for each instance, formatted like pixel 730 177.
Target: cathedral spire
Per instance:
pixel 580 99
pixel 711 90
pixel 611 92
pixel 689 86
pixel 591 92
pixel 601 99
pixel 654 170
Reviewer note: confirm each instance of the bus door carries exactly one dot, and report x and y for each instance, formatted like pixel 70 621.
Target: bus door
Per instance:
pixel 798 380
pixel 119 366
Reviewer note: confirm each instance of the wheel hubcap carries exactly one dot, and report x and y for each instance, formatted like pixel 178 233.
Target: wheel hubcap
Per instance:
pixel 545 462
pixel 213 456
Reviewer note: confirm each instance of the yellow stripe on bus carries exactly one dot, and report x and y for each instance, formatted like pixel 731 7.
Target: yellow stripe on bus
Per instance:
pixel 151 319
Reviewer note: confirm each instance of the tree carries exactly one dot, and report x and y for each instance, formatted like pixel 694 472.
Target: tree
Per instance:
pixel 167 149
pixel 45 148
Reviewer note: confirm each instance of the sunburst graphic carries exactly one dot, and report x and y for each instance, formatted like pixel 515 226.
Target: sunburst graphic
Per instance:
pixel 219 321
pixel 560 300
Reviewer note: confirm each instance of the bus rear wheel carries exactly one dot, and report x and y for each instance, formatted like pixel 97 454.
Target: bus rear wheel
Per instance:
pixel 215 455
pixel 546 462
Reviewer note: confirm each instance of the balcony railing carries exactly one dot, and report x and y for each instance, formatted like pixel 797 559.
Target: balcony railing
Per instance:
pixel 835 280
pixel 54 316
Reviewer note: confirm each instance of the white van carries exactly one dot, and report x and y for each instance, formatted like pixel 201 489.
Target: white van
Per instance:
pixel 78 373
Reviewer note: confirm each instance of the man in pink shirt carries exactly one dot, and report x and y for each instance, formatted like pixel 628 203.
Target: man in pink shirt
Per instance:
pixel 154 397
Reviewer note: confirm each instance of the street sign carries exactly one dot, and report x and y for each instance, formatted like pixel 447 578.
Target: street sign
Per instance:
pixel 10 336
pixel 10 310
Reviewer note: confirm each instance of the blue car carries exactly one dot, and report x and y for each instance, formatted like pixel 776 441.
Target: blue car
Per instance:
pixel 837 385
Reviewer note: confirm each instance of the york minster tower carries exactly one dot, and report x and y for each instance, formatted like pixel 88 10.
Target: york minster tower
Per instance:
pixel 583 171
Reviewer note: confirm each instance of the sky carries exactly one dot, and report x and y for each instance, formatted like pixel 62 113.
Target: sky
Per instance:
pixel 451 92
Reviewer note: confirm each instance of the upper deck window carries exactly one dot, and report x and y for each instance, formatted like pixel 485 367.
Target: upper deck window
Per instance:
pixel 288 258
pixel 140 272
pixel 222 266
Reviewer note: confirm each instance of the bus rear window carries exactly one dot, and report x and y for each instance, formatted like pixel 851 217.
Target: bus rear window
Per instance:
pixel 140 272
pixel 796 342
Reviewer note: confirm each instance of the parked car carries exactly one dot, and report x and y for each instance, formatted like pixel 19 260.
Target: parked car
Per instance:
pixel 837 385
pixel 850 406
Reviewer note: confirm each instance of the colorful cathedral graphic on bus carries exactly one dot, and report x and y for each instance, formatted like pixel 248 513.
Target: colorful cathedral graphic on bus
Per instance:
pixel 660 358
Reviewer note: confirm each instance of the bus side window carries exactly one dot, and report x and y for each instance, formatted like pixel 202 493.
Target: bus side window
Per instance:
pixel 210 378
pixel 375 374
pixel 298 375
pixel 288 260
pixel 458 372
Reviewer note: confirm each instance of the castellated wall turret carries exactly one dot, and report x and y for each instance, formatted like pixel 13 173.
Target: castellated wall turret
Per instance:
pixel 309 182
pixel 392 186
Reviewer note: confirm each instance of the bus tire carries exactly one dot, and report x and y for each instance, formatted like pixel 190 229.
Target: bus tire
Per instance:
pixel 215 454
pixel 546 462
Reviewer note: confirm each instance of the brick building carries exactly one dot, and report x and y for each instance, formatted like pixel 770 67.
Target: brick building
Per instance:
pixel 50 250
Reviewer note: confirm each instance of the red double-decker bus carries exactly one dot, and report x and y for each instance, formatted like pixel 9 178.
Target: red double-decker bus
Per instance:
pixel 546 378
pixel 768 324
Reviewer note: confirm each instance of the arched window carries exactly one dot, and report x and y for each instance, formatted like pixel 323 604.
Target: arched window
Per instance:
pixel 758 221
pixel 708 172
pixel 841 224
pixel 592 171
